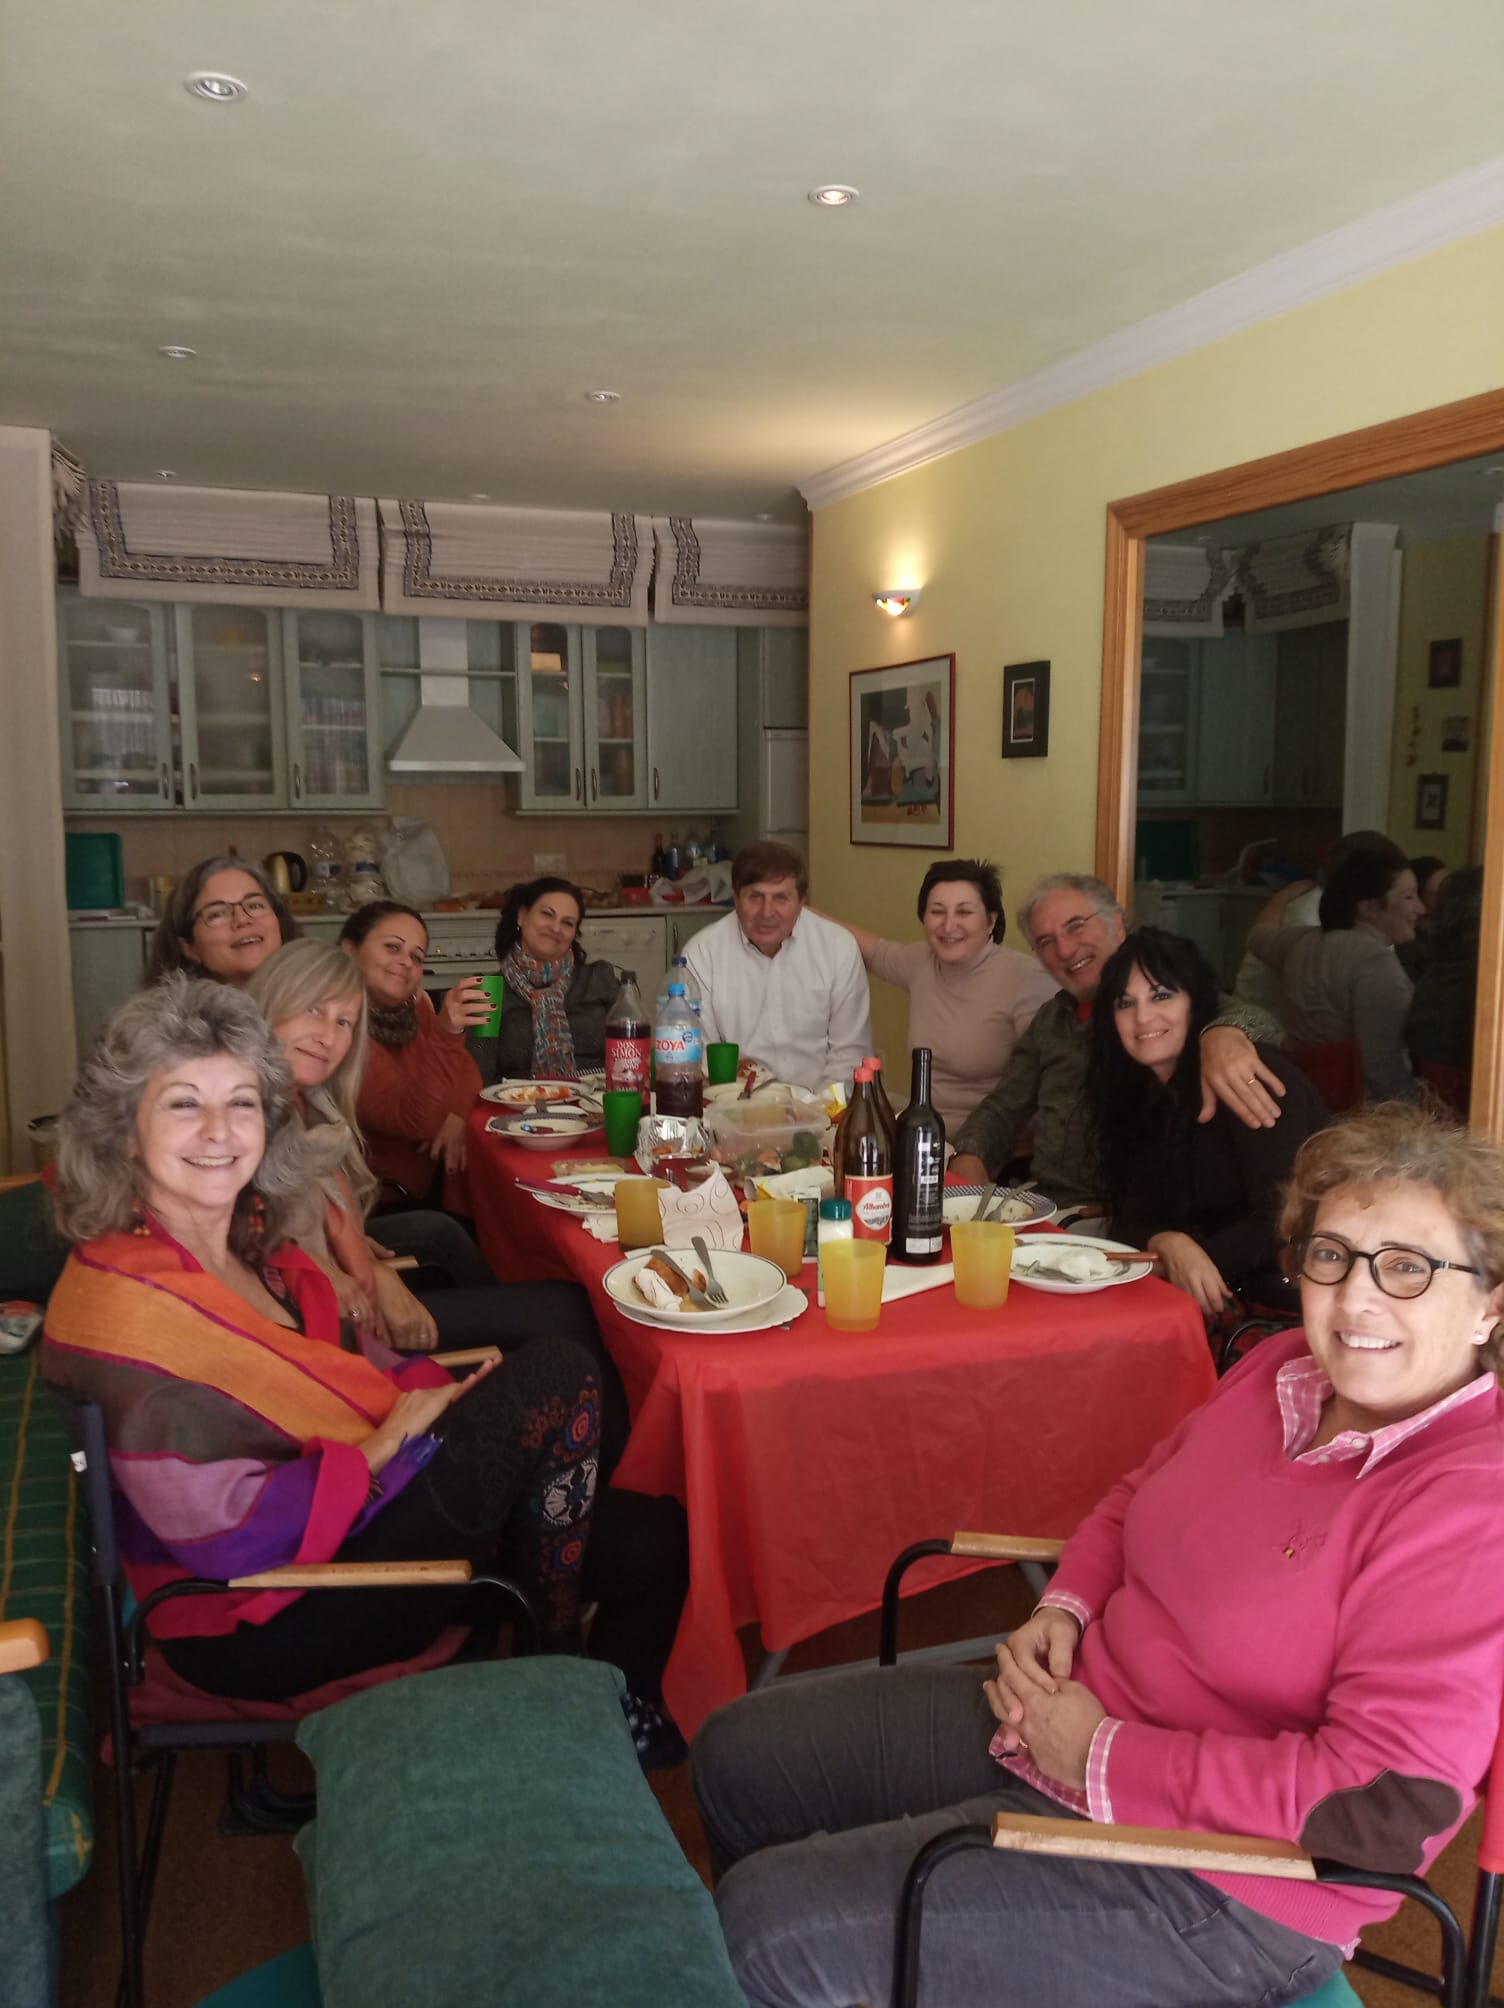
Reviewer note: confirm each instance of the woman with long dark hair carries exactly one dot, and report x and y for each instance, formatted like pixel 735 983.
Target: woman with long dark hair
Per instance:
pixel 1203 1196
pixel 553 1016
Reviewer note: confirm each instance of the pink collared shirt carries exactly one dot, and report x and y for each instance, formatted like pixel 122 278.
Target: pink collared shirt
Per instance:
pixel 1303 1390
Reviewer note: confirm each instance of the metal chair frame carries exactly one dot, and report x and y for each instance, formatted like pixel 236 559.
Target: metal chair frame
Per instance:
pixel 1466 1957
pixel 253 1807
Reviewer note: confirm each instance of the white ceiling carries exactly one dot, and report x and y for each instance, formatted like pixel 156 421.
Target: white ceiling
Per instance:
pixel 433 226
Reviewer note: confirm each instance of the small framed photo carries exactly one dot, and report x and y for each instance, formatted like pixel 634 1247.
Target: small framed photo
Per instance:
pixel 1456 734
pixel 1431 801
pixel 1026 710
pixel 1444 664
pixel 903 754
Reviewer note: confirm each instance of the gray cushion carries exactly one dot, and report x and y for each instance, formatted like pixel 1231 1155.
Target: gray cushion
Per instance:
pixel 485 1835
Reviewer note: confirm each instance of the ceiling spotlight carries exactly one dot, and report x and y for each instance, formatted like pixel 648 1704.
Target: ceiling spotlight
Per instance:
pixel 764 516
pixel 897 600
pixel 603 396
pixel 833 195
pixel 176 353
pixel 478 496
pixel 214 87
pixel 166 473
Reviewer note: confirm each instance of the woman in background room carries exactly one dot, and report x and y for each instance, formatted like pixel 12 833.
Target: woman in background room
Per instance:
pixel 553 1018
pixel 1342 981
pixel 970 999
pixel 223 919
pixel 420 1083
pixel 1204 1197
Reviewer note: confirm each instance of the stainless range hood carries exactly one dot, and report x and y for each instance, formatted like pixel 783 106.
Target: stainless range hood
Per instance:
pixel 447 736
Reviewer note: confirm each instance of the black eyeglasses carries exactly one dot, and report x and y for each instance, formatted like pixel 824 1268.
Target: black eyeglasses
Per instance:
pixel 221 912
pixel 1398 1271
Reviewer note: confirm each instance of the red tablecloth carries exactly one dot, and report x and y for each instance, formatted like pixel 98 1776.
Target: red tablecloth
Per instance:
pixel 807 1459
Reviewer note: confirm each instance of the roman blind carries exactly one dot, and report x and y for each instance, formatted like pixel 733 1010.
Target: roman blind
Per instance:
pixel 727 574
pixel 459 559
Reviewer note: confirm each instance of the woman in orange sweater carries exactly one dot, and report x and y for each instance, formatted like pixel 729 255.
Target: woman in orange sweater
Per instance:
pixel 419 1083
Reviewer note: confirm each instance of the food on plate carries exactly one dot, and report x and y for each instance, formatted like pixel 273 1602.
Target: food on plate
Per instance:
pixel 1014 1209
pixel 535 1095
pixel 1056 1257
pixel 658 1286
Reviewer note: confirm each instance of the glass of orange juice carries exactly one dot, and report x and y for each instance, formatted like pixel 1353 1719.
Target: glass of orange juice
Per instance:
pixel 982 1251
pixel 777 1230
pixel 854 1284
pixel 639 1218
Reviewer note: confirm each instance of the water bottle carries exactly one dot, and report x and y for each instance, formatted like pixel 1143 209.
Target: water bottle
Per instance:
pixel 679 973
pixel 678 1057
pixel 324 874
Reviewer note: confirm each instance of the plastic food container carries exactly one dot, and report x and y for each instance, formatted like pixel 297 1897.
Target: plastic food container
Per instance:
pixel 761 1137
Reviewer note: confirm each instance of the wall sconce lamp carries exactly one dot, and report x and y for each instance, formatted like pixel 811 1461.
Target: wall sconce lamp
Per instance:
pixel 895 602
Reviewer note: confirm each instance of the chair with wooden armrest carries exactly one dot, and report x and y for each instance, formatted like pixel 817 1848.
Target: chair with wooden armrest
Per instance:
pixel 254 1807
pixel 1466 1959
pixel 29 1920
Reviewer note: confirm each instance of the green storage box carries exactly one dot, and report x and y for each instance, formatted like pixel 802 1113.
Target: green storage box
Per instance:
pixel 95 870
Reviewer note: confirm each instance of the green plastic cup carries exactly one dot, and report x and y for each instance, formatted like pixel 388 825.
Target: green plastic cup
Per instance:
pixel 721 1057
pixel 623 1107
pixel 494 987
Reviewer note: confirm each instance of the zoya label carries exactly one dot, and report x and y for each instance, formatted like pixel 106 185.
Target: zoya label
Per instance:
pixel 683 1046
pixel 871 1207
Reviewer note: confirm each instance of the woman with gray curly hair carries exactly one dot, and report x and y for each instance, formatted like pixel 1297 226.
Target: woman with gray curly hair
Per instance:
pixel 243 1433
pixel 223 919
pixel 1216 1651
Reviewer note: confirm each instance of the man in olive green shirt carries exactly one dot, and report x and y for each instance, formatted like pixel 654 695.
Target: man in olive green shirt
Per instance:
pixel 1074 923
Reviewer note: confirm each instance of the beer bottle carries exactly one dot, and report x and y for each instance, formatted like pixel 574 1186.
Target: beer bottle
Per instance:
pixel 867 1164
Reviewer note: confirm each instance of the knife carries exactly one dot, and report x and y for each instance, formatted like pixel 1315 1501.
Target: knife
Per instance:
pixel 696 1295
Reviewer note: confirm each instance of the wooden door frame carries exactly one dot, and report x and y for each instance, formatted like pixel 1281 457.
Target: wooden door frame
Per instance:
pixel 1449 432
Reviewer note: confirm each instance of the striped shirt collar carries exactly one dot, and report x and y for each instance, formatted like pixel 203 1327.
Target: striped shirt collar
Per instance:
pixel 1303 1392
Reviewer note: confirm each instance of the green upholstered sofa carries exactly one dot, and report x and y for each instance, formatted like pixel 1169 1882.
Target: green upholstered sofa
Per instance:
pixel 44 1561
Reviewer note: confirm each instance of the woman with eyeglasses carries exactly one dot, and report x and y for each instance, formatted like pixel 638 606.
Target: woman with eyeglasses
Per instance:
pixel 1204 1197
pixel 1286 1623
pixel 224 918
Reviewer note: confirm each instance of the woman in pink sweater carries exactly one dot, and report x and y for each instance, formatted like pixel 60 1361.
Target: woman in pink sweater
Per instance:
pixel 1289 1622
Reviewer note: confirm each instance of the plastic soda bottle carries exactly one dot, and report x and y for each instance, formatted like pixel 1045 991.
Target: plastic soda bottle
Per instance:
pixel 678 1057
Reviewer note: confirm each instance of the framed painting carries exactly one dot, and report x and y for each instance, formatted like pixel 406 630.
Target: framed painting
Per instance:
pixel 1431 801
pixel 903 754
pixel 1444 664
pixel 1026 710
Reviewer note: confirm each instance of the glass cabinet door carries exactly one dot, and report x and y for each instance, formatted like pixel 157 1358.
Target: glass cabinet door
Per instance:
pixel 230 698
pixel 1167 722
pixel 115 707
pixel 549 716
pixel 615 676
pixel 332 710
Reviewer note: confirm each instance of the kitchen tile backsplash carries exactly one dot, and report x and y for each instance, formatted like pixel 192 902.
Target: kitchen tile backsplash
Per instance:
pixel 487 845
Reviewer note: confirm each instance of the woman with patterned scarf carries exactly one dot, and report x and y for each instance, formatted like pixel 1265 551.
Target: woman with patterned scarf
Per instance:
pixel 246 1430
pixel 419 1083
pixel 553 1019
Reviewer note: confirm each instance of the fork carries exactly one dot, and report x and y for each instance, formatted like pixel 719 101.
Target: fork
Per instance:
pixel 713 1289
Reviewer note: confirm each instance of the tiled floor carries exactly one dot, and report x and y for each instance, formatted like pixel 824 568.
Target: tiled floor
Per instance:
pixel 223 1905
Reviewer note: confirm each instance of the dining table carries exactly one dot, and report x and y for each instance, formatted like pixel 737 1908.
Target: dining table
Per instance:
pixel 808 1458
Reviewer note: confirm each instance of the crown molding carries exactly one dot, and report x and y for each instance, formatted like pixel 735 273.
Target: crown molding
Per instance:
pixel 1436 216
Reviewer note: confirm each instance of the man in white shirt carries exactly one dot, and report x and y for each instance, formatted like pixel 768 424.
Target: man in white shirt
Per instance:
pixel 788 986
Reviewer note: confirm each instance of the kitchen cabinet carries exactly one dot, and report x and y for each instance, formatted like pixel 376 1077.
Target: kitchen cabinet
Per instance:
pixel 581 717
pixel 683 927
pixel 109 965
pixel 1168 715
pixel 613 696
pixel 638 945
pixel 1310 732
pixel 1235 731
pixel 115 704
pixel 230 707
pixel 692 737
pixel 332 682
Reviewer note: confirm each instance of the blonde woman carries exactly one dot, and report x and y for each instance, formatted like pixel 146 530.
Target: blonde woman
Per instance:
pixel 313 996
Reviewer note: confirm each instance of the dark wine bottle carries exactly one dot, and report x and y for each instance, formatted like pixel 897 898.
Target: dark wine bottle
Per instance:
pixel 918 1172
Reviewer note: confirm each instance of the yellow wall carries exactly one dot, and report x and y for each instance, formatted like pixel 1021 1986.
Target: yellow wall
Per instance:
pixel 1006 538
pixel 1443 596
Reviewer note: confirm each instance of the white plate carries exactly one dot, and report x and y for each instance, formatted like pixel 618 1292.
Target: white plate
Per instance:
pixel 960 1203
pixel 528 1095
pixel 785 1307
pixel 1128 1272
pixel 748 1280
pixel 596 1197
pixel 550 1129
